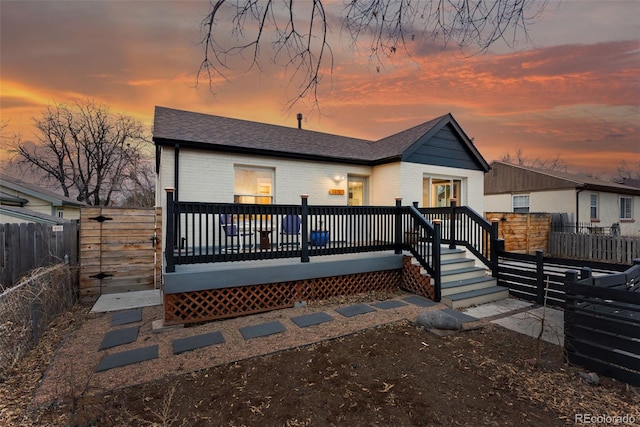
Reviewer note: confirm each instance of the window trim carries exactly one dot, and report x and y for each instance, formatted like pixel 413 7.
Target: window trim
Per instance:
pixel 594 218
pixel 630 206
pixel 364 179
pixel 428 195
pixel 518 209
pixel 272 170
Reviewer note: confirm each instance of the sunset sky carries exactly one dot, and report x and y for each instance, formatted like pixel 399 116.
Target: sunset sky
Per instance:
pixel 572 89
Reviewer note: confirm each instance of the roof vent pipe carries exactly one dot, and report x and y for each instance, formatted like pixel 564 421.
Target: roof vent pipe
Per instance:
pixel 299 120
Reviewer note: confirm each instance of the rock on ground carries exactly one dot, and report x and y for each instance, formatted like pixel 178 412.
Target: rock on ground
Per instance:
pixel 439 320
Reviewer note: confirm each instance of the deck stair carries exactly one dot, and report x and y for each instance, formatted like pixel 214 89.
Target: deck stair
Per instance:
pixel 463 284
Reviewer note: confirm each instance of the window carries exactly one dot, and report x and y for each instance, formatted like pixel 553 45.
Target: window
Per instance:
pixel 626 208
pixel 253 185
pixel 437 192
pixel 521 203
pixel 593 206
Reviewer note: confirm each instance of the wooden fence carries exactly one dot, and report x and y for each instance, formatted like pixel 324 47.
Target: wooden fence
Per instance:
pixel 522 232
pixel 530 277
pixel 602 323
pixel 599 247
pixel 24 247
pixel 120 250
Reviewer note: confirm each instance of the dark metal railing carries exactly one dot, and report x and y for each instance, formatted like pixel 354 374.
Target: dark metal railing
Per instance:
pixel 422 238
pixel 463 226
pixel 199 232
pixel 223 232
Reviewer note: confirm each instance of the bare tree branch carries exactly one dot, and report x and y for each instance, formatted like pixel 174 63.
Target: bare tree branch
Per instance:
pixel 85 150
pixel 519 158
pixel 385 25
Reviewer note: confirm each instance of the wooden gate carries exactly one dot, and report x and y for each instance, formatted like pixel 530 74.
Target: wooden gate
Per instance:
pixel 120 250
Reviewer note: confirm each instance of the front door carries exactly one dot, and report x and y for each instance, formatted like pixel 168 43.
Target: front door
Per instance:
pixel 357 191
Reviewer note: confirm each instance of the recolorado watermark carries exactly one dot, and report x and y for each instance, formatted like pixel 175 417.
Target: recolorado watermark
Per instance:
pixel 597 419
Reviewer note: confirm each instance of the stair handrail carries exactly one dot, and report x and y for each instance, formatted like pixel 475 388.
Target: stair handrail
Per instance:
pixel 424 246
pixel 489 245
pixel 484 244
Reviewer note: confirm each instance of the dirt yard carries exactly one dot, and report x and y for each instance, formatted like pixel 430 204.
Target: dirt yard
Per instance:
pixel 396 374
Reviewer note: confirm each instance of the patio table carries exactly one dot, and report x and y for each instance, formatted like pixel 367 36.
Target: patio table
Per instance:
pixel 265 242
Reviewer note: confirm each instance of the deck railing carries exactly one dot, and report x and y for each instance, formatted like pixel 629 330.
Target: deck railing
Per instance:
pixel 199 232
pixel 463 226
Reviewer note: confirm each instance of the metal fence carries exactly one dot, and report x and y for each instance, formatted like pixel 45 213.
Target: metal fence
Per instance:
pixel 560 226
pixel 28 308
pixel 531 277
pixel 602 323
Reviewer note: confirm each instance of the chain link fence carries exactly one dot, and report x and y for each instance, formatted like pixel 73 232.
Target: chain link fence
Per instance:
pixel 27 308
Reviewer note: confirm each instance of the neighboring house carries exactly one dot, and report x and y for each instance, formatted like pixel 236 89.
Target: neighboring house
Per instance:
pixel 30 197
pixel 18 215
pixel 597 203
pixel 216 159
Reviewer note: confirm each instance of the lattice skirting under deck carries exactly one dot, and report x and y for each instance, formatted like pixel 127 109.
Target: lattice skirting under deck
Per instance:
pixel 414 281
pixel 213 304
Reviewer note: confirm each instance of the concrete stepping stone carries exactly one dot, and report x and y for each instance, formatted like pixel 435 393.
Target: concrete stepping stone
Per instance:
pixel 420 301
pixel 119 337
pixel 126 317
pixel 311 319
pixel 462 317
pixel 191 343
pixel 129 357
pixel 355 310
pixel 389 304
pixel 263 330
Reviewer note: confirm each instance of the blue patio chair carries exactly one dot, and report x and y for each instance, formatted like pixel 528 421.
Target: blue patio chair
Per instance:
pixel 231 231
pixel 291 227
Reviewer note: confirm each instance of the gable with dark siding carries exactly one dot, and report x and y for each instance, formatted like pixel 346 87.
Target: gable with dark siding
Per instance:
pixel 445 148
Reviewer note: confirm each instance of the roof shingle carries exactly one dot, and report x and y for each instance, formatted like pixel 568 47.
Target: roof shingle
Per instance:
pixel 178 125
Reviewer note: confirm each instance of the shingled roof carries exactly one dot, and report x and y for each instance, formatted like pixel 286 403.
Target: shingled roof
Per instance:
pixel 561 180
pixel 205 131
pixel 36 191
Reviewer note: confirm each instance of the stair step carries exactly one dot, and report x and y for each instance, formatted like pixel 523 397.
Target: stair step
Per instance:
pixel 446 253
pixel 456 263
pixel 462 274
pixel 476 297
pixel 458 286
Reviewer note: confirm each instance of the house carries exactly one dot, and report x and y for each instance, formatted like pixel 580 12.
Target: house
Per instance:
pixel 591 204
pixel 228 189
pixel 18 215
pixel 32 198
pixel 210 158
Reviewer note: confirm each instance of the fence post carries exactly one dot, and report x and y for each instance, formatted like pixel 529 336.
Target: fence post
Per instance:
pixel 452 224
pixel 169 244
pixel 305 228
pixel 495 247
pixel 398 244
pixel 570 276
pixel 585 273
pixel 539 277
pixel 437 241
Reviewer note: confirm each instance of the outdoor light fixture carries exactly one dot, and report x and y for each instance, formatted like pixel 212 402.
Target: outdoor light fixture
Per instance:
pixel 338 178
